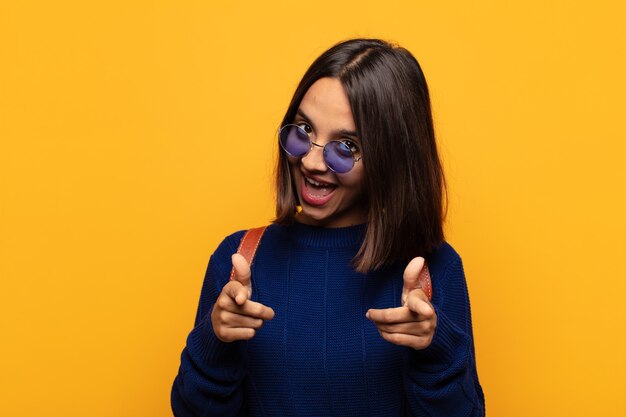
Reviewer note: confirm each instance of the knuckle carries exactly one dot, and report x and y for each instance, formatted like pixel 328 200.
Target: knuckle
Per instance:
pixel 222 302
pixel 223 317
pixel 387 336
pixel 425 342
pixel 427 327
pixel 432 326
pixel 430 312
pixel 220 334
pixel 394 338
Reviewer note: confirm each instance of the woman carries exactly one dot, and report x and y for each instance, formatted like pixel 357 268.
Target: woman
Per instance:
pixel 331 320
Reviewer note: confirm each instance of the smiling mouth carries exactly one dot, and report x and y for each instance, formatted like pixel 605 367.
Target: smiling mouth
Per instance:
pixel 316 193
pixel 318 189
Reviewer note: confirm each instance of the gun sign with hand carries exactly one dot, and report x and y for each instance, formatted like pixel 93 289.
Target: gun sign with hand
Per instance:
pixel 235 316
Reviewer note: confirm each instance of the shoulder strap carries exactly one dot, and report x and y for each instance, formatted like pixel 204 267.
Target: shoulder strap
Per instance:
pixel 425 282
pixel 248 246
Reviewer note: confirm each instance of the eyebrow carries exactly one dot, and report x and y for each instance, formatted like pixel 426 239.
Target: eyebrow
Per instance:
pixel 340 132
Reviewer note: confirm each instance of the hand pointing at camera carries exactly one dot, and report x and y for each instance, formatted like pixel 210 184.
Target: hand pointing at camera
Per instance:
pixel 412 324
pixel 234 315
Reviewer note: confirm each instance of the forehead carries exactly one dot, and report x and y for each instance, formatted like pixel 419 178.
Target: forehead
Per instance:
pixel 327 105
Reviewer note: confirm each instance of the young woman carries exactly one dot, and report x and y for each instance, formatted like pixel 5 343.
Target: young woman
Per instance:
pixel 331 319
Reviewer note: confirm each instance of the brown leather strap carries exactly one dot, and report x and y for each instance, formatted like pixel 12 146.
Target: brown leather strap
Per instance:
pixel 248 246
pixel 425 282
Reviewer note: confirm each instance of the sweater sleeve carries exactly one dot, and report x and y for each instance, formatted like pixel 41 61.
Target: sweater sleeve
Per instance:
pixel 441 380
pixel 211 373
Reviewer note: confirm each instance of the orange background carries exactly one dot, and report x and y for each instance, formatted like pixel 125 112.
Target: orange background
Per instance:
pixel 135 135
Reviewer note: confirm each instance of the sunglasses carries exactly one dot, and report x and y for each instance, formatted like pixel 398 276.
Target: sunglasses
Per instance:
pixel 338 155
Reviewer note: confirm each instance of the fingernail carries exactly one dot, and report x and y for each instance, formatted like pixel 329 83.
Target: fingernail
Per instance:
pixel 367 315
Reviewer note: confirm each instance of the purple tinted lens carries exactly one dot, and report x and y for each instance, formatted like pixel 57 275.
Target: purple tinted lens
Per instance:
pixel 338 157
pixel 294 140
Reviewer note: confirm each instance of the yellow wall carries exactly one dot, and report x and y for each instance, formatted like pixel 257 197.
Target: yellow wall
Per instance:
pixel 136 135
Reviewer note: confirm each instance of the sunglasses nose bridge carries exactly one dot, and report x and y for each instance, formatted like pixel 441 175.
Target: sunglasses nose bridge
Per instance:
pixel 314 161
pixel 315 145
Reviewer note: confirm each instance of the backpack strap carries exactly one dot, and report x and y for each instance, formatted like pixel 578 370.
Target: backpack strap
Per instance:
pixel 425 282
pixel 248 246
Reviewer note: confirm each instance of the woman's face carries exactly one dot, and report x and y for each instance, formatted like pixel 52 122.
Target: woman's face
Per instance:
pixel 328 199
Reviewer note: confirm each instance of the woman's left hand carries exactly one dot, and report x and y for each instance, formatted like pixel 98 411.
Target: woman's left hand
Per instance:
pixel 413 324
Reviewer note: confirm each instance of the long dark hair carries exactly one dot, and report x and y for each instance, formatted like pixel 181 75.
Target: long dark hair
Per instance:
pixel 404 181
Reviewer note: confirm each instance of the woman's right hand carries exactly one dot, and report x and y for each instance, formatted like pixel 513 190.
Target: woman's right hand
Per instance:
pixel 235 316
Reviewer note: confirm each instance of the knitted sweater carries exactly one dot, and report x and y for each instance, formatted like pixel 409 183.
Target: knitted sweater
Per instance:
pixel 320 356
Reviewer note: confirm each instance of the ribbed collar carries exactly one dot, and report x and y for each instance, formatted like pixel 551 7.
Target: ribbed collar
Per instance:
pixel 328 237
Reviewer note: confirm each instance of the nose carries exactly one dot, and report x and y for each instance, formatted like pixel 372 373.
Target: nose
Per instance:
pixel 314 160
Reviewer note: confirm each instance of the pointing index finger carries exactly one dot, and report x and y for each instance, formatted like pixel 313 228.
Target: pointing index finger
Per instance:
pixel 237 292
pixel 418 303
pixel 258 310
pixel 390 315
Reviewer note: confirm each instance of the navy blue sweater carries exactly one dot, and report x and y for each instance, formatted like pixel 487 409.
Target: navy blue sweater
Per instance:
pixel 320 356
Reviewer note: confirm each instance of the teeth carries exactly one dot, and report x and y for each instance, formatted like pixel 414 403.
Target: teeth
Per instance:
pixel 317 184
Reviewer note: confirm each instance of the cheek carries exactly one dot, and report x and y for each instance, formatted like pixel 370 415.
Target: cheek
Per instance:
pixel 354 179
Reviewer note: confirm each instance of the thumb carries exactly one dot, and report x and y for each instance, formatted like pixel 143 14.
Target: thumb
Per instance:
pixel 411 277
pixel 242 271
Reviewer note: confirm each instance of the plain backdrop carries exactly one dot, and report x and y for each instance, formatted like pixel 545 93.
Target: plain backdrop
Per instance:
pixel 135 135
